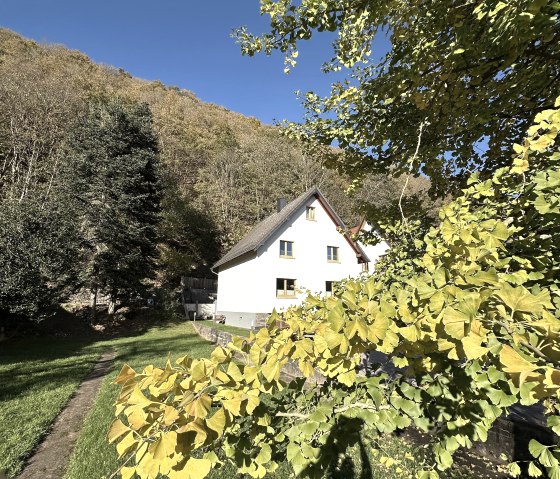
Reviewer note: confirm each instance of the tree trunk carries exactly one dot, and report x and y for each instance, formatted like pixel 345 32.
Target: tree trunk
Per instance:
pixel 112 306
pixel 93 301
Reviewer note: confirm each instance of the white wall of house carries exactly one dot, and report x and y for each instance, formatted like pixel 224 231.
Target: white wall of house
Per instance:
pixel 247 286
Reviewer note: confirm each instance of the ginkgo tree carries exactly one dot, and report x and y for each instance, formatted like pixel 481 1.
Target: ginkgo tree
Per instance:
pixel 470 329
pixel 473 72
pixel 465 315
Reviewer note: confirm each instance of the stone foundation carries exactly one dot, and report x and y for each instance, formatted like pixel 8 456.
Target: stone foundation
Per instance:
pixel 290 370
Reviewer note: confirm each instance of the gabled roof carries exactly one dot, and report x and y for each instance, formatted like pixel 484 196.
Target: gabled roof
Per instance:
pixel 266 228
pixel 356 229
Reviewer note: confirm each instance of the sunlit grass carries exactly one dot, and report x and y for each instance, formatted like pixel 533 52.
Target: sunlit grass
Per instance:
pixel 235 330
pixel 93 457
pixel 37 377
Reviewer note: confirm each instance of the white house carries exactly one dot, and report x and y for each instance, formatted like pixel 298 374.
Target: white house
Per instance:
pixel 298 248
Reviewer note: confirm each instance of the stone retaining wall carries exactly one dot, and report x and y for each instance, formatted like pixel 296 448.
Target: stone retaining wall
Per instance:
pixel 290 370
pixel 216 336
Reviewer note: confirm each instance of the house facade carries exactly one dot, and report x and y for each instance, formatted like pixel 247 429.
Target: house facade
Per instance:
pixel 298 249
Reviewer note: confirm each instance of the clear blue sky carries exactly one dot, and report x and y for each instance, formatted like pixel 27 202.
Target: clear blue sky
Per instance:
pixel 179 42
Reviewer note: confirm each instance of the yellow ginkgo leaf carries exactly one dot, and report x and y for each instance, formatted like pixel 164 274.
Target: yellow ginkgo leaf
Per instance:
pixel 116 430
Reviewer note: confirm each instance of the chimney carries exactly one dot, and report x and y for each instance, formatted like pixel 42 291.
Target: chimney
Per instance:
pixel 280 204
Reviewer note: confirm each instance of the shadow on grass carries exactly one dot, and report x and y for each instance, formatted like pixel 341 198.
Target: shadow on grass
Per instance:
pixel 27 365
pixel 34 363
pixel 150 349
pixel 38 375
pixel 343 437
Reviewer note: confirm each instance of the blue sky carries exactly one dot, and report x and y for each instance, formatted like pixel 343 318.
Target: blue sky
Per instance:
pixel 179 42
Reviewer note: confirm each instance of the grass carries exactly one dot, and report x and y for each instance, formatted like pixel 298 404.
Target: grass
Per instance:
pixel 38 376
pixel 93 457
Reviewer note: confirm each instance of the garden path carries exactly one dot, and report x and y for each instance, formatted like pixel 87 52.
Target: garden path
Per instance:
pixel 51 457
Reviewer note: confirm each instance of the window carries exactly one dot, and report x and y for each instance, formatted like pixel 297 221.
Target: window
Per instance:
pixel 286 249
pixel 285 288
pixel 332 254
pixel 329 288
pixel 310 213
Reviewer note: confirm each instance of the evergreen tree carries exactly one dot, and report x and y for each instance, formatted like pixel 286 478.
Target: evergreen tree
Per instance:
pixel 112 169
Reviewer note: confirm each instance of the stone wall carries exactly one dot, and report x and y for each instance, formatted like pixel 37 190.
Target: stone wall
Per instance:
pixel 216 336
pixel 289 371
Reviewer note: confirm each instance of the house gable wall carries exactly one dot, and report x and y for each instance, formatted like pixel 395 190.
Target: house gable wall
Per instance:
pixel 247 288
pixel 373 252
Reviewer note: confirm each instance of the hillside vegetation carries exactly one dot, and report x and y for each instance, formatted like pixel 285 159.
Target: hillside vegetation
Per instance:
pixel 219 173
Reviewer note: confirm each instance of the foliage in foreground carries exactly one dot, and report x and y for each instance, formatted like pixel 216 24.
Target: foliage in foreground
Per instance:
pixel 93 457
pixel 473 74
pixel 471 328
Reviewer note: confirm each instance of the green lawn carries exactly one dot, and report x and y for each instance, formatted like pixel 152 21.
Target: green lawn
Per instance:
pixel 93 457
pixel 38 376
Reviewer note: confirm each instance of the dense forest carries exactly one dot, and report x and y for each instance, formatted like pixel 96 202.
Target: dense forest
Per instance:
pixel 110 184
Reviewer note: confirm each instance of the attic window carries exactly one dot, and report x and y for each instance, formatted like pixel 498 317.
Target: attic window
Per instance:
pixel 286 249
pixel 310 213
pixel 285 288
pixel 332 254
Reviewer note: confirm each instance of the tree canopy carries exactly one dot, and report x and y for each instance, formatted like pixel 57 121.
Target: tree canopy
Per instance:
pixel 472 74
pixel 466 316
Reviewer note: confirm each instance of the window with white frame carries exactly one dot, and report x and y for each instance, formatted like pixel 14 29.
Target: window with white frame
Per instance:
pixel 332 254
pixel 285 288
pixel 286 249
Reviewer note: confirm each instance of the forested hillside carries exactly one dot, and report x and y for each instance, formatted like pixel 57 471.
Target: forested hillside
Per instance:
pixel 218 173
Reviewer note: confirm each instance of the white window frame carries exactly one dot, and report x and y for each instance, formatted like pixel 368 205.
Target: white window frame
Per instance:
pixel 333 254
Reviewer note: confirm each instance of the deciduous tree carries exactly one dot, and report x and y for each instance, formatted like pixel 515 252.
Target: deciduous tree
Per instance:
pixel 473 73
